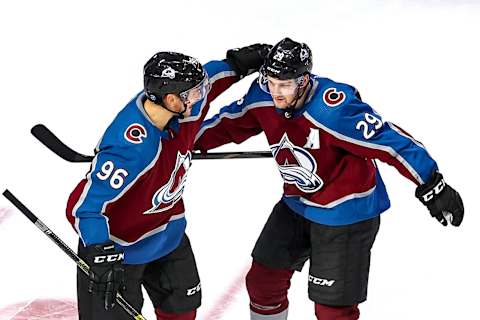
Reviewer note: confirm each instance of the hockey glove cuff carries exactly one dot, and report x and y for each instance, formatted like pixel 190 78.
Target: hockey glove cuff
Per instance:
pixel 443 202
pixel 107 274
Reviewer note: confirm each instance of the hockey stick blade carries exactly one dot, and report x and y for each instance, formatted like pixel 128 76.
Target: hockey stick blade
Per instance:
pixel 66 249
pixel 50 140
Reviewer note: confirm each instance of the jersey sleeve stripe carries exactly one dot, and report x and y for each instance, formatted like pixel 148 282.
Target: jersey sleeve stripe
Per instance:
pixel 402 132
pixel 82 199
pixel 340 200
pixel 211 123
pixel 132 183
pixel 369 145
pixel 106 203
pixel 222 75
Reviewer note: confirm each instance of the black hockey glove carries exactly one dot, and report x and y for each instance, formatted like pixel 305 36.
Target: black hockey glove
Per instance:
pixel 106 271
pixel 247 60
pixel 443 202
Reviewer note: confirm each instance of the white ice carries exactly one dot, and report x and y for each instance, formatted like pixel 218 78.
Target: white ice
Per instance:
pixel 74 65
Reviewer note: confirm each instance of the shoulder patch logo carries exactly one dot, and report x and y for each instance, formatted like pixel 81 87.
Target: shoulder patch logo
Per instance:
pixel 135 133
pixel 333 97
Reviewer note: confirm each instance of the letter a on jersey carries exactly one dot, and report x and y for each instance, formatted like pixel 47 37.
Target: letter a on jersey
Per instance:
pixel 172 191
pixel 313 140
pixel 296 165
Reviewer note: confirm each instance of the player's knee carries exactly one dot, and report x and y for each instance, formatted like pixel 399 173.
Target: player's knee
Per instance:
pixel 162 315
pixel 324 312
pixel 268 288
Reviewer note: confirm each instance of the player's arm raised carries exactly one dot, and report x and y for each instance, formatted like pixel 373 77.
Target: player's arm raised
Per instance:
pixel 234 123
pixel 239 63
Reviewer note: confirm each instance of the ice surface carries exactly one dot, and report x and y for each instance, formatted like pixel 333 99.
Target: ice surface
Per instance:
pixel 74 65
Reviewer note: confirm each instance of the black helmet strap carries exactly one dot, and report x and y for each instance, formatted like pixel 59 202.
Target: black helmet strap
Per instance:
pixel 291 106
pixel 180 114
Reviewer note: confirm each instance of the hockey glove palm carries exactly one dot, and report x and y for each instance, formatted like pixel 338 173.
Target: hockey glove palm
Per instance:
pixel 443 202
pixel 106 271
pixel 248 59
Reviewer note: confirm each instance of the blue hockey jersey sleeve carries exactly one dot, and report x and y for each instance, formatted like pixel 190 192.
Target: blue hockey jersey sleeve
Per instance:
pixel 113 169
pixel 361 130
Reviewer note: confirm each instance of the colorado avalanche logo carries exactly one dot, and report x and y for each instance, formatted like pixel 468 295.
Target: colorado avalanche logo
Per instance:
pixel 135 133
pixel 168 73
pixel 172 191
pixel 296 165
pixel 333 98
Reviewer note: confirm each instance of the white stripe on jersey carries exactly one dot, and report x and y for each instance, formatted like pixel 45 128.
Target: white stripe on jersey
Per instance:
pixel 124 190
pixel 130 185
pixel 369 145
pixel 244 110
pixel 397 130
pixel 80 201
pixel 340 200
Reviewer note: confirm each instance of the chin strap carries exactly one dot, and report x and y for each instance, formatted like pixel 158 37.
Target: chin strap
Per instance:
pixel 180 115
pixel 291 107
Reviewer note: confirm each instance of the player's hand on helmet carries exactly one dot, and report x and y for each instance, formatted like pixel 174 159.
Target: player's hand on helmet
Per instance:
pixel 443 202
pixel 107 274
pixel 248 59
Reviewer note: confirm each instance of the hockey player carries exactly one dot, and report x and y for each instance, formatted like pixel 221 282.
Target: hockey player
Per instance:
pixel 128 211
pixel 324 139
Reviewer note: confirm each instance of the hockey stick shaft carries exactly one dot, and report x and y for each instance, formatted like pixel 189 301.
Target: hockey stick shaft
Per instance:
pixel 52 142
pixel 65 248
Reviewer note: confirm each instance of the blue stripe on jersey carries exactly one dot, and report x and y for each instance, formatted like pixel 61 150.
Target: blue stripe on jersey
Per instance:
pixel 356 208
pixel 157 245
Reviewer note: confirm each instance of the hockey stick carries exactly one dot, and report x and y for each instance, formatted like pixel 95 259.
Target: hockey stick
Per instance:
pixel 65 248
pixel 52 142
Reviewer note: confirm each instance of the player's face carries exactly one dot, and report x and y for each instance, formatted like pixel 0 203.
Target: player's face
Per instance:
pixel 174 103
pixel 194 95
pixel 283 92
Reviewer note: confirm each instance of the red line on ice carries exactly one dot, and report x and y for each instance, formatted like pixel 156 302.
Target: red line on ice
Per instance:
pixel 224 302
pixel 4 214
pixel 41 309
